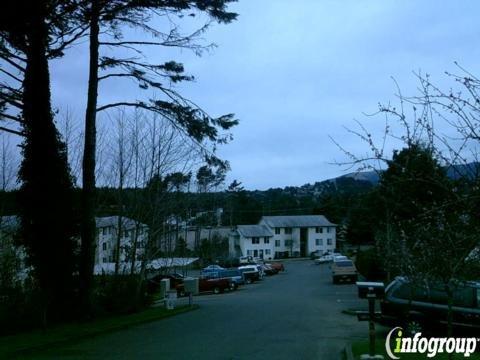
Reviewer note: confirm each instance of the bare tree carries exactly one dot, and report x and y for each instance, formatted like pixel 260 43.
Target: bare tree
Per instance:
pixel 434 243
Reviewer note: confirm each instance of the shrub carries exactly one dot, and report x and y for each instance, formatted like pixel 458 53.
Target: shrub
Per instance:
pixel 120 295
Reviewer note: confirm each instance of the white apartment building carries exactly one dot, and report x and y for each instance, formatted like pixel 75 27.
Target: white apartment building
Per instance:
pixel 252 240
pixel 284 236
pixel 131 232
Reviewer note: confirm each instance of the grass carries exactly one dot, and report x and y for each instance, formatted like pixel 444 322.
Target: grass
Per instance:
pixel 362 347
pixel 16 345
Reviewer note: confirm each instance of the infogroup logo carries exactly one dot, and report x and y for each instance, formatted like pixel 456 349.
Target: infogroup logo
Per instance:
pixel 431 346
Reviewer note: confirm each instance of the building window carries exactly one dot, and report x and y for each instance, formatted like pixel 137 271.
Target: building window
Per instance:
pixel 266 240
pixel 104 246
pixel 104 231
pixel 319 242
pixel 288 230
pixel 329 242
pixel 277 243
pixel 277 231
pixel 267 251
pixel 319 230
pixel 255 240
pixel 328 229
pixel 104 260
pixel 249 252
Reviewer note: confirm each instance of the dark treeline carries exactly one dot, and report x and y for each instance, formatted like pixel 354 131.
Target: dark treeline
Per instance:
pixel 344 201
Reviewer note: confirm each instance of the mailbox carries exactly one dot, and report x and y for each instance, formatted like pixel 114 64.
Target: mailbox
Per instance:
pixel 190 286
pixel 164 287
pixel 370 290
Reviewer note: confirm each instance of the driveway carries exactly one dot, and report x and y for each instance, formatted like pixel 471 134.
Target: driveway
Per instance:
pixel 293 315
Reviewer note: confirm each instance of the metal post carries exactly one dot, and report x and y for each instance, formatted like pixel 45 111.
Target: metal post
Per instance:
pixel 371 325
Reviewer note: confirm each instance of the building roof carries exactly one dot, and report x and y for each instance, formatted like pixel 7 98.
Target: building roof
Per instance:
pixel 12 223
pixel 155 264
pixel 254 231
pixel 107 221
pixel 297 221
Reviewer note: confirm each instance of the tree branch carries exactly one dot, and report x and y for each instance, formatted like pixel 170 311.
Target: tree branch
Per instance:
pixel 11 131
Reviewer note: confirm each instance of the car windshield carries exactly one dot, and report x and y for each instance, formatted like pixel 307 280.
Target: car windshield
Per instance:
pixel 344 263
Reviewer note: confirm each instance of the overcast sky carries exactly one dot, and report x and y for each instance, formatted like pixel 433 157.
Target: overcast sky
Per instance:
pixel 297 72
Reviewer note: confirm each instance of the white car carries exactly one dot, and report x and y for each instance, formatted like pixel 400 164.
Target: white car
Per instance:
pixel 246 259
pixel 324 259
pixel 253 268
pixel 339 258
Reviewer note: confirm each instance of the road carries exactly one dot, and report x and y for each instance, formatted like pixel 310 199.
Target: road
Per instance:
pixel 293 315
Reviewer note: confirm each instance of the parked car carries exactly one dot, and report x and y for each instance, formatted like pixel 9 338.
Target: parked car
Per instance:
pixel 315 254
pixel 425 305
pixel 339 258
pixel 269 270
pixel 235 276
pixel 250 273
pixel 208 284
pixel 324 259
pixel 246 259
pixel 277 265
pixel 344 270
pixel 212 268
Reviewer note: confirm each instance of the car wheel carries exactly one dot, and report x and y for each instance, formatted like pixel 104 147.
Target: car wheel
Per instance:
pixel 233 286
pixel 248 281
pixel 216 290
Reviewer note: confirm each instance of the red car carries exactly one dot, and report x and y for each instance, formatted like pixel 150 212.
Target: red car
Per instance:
pixel 216 286
pixel 277 266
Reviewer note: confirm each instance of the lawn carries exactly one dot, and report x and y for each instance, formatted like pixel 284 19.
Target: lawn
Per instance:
pixel 11 346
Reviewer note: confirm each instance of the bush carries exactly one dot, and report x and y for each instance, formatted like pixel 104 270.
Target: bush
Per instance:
pixel 21 308
pixel 120 295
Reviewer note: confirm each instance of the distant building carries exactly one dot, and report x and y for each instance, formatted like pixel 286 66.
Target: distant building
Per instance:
pixel 132 234
pixel 252 240
pixel 284 236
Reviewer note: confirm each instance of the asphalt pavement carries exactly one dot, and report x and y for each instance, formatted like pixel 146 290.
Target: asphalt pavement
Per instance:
pixel 293 315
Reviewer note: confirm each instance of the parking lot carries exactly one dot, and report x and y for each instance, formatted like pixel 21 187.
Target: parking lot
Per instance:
pixel 293 315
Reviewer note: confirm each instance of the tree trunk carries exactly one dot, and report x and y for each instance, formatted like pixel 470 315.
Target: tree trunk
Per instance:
pixel 88 228
pixel 118 244
pixel 45 196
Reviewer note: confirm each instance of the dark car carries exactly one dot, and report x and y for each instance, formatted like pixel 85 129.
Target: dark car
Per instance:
pixel 425 305
pixel 208 284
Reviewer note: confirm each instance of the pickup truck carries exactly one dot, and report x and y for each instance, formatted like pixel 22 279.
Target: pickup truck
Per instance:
pixel 234 275
pixel 207 284
pixel 344 269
